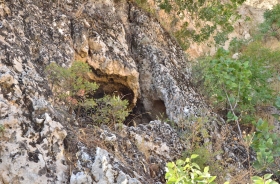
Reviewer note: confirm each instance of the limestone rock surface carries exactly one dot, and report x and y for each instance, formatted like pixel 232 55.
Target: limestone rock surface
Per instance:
pixel 129 53
pixel 130 155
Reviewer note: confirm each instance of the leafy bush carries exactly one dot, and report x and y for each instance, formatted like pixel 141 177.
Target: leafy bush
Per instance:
pixel 265 180
pixel 256 69
pixel 236 45
pixel 71 85
pixel 187 172
pixel 271 24
pixel 266 144
pixel 237 86
pixel 220 14
pixel 228 83
pixel 110 110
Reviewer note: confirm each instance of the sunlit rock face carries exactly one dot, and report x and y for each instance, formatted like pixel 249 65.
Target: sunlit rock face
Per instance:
pixel 135 155
pixel 128 48
pixel 262 4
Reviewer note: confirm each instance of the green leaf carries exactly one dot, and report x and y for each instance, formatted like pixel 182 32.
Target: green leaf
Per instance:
pixel 170 164
pixel 180 162
pixel 206 169
pixel 193 156
pixel 212 178
pixel 257 180
pixel 267 176
pixel 195 165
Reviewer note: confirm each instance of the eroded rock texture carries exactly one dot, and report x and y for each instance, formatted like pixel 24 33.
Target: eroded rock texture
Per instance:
pixel 131 155
pixel 129 53
pixel 125 46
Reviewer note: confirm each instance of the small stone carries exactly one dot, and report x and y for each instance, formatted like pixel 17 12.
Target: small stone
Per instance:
pixel 235 56
pixel 247 36
pixel 39 121
pixel 18 66
pixel 218 157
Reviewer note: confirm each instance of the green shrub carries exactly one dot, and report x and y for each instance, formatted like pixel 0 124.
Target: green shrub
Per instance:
pixel 110 110
pixel 265 180
pixel 271 24
pixel 187 172
pixel 236 45
pixel 220 14
pixel 237 86
pixel 71 85
pixel 227 84
pixel 266 144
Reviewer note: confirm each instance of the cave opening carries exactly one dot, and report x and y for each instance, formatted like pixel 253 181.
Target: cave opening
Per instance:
pixel 141 111
pixel 117 89
pixel 111 84
pixel 158 110
pixel 143 115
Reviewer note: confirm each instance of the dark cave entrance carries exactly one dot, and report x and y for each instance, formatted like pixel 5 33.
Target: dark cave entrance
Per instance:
pixel 142 115
pixel 158 110
pixel 111 85
pixel 116 89
pixel 142 112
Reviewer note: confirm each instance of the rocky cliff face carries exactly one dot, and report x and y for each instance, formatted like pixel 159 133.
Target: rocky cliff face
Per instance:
pixel 129 53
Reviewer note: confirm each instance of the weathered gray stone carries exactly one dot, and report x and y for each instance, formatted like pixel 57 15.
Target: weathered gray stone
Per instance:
pixel 4 108
pixel 80 178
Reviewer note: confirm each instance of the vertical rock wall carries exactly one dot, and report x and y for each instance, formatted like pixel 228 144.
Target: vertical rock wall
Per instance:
pixel 129 53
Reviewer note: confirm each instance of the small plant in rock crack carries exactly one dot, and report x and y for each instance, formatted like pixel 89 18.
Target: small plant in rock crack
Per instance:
pixel 110 109
pixel 162 117
pixel 71 85
pixel 187 172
